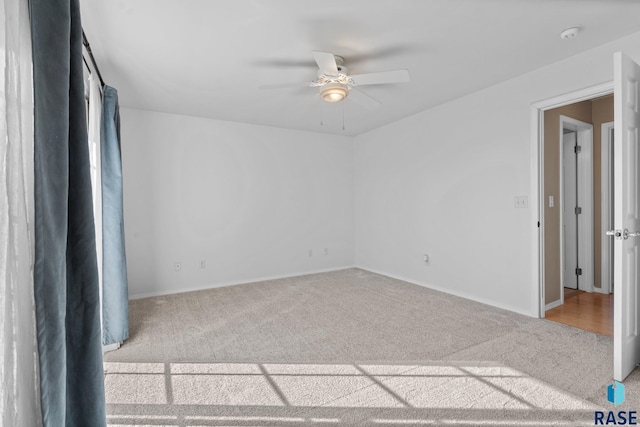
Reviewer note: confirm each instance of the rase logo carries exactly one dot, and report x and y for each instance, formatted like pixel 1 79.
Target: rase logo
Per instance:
pixel 615 395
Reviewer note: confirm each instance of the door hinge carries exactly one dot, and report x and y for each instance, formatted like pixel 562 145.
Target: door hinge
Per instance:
pixel 578 272
pixel 577 149
pixel 538 224
pixel 578 210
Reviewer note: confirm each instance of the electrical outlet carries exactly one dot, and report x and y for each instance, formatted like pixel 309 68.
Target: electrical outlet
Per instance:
pixel 521 202
pixel 203 264
pixel 326 251
pixel 425 258
pixel 177 266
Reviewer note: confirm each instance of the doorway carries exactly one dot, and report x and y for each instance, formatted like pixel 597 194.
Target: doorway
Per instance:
pixel 625 235
pixel 576 210
pixel 571 238
pixel 576 197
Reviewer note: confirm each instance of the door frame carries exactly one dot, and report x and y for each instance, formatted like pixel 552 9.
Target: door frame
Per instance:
pixel 584 133
pixel 606 179
pixel 537 182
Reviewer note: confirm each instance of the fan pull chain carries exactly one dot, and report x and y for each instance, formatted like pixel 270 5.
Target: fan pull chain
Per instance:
pixel 321 123
pixel 343 117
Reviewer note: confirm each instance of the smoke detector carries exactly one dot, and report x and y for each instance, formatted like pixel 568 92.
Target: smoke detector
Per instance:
pixel 570 33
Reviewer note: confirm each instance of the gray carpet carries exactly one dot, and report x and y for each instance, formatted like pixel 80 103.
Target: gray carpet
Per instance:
pixel 352 348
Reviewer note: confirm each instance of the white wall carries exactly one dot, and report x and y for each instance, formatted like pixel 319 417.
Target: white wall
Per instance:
pixel 252 200
pixel 249 200
pixel 443 182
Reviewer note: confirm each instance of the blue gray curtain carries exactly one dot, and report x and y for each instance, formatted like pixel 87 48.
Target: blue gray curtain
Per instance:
pixel 115 296
pixel 65 272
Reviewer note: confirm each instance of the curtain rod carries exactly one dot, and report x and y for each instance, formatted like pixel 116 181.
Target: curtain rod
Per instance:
pixel 87 46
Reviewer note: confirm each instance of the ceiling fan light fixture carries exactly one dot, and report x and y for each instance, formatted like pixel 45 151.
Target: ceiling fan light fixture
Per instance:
pixel 334 92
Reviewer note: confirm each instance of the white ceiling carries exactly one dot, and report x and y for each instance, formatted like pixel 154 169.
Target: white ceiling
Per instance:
pixel 208 58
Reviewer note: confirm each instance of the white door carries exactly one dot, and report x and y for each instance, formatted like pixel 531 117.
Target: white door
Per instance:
pixel 569 217
pixel 626 343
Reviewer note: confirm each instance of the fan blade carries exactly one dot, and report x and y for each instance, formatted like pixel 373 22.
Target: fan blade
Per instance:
pixel 282 63
pixel 283 86
pixel 359 97
pixel 326 62
pixel 385 52
pixel 385 77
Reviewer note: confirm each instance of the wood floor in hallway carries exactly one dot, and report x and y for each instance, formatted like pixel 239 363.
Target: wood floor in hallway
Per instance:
pixel 589 311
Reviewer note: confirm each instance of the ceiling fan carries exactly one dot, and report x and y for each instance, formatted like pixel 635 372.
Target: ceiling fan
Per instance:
pixel 335 84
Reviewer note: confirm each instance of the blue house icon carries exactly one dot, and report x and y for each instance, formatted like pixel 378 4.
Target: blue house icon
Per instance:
pixel 615 393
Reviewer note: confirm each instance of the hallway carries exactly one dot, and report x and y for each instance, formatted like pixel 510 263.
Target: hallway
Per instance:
pixel 589 311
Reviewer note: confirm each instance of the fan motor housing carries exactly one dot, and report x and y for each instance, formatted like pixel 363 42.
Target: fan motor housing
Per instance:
pixel 339 65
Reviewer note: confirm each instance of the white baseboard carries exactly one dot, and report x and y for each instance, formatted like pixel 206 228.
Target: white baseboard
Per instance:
pixel 233 283
pixel 449 291
pixel 601 290
pixel 305 273
pixel 551 305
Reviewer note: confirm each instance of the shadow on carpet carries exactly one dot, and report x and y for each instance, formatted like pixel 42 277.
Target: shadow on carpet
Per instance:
pixel 300 394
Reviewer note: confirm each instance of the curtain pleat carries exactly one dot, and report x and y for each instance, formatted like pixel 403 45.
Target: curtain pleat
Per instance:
pixel 115 298
pixel 65 272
